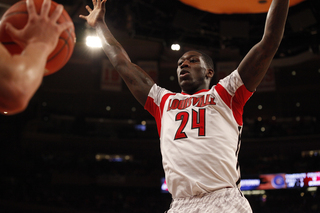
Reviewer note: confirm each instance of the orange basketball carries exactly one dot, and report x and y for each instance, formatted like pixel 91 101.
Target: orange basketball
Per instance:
pixel 17 15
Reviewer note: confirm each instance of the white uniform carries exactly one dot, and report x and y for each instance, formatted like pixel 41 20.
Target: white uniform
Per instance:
pixel 200 135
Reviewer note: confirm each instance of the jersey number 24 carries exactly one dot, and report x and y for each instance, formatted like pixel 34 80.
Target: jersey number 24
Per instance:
pixel 197 122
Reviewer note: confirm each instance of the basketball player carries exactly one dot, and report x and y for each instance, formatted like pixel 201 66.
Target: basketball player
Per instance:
pixel 21 75
pixel 200 127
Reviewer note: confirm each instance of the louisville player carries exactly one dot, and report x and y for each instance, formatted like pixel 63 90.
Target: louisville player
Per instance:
pixel 200 127
pixel 21 75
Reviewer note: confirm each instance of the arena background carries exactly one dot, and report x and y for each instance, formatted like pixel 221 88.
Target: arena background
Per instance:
pixel 85 144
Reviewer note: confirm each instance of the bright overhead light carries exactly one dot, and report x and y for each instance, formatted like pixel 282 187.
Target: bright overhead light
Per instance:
pixel 93 41
pixel 175 47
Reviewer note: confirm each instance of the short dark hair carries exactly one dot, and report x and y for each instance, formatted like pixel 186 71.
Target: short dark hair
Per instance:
pixel 207 59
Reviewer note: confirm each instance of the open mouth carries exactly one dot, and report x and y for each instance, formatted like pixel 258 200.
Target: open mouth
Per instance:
pixel 184 73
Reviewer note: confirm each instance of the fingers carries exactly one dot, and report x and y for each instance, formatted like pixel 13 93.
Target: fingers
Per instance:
pixel 83 17
pixel 99 3
pixel 30 7
pixel 45 8
pixel 57 13
pixel 11 30
pixel 103 3
pixel 88 8
pixel 66 25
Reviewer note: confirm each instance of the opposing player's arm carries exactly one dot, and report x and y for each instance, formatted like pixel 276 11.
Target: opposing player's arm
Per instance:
pixel 135 78
pixel 255 64
pixel 20 76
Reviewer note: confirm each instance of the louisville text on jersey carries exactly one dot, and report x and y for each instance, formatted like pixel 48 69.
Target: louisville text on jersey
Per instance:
pixel 194 101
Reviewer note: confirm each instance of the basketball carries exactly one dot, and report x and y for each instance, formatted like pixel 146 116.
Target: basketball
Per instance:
pixel 17 15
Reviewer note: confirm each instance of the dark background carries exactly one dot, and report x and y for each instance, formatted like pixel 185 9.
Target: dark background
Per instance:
pixel 48 157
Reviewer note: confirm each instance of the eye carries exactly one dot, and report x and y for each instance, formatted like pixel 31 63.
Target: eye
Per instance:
pixel 192 60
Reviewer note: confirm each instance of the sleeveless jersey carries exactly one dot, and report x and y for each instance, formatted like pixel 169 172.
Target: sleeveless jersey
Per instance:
pixel 200 135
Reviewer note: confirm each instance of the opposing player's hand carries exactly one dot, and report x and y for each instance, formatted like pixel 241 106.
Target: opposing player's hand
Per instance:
pixel 40 27
pixel 97 14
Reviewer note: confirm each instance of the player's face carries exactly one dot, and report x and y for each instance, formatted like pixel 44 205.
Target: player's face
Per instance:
pixel 191 72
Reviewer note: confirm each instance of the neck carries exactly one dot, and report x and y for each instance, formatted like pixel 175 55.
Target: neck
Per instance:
pixel 193 91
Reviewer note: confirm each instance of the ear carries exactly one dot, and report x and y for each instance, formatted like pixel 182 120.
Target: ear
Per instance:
pixel 209 73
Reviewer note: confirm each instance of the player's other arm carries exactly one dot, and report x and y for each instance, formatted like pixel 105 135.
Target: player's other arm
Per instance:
pixel 21 75
pixel 135 78
pixel 256 63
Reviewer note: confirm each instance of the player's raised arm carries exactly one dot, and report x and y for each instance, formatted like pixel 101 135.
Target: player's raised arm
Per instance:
pixel 256 63
pixel 21 75
pixel 136 79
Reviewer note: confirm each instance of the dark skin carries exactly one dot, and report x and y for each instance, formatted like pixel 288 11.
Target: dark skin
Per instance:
pixel 193 74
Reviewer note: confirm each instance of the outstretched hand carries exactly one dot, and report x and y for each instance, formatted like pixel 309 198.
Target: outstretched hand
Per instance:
pixel 40 27
pixel 97 14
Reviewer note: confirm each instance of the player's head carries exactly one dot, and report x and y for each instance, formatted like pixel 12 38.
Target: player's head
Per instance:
pixel 195 71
